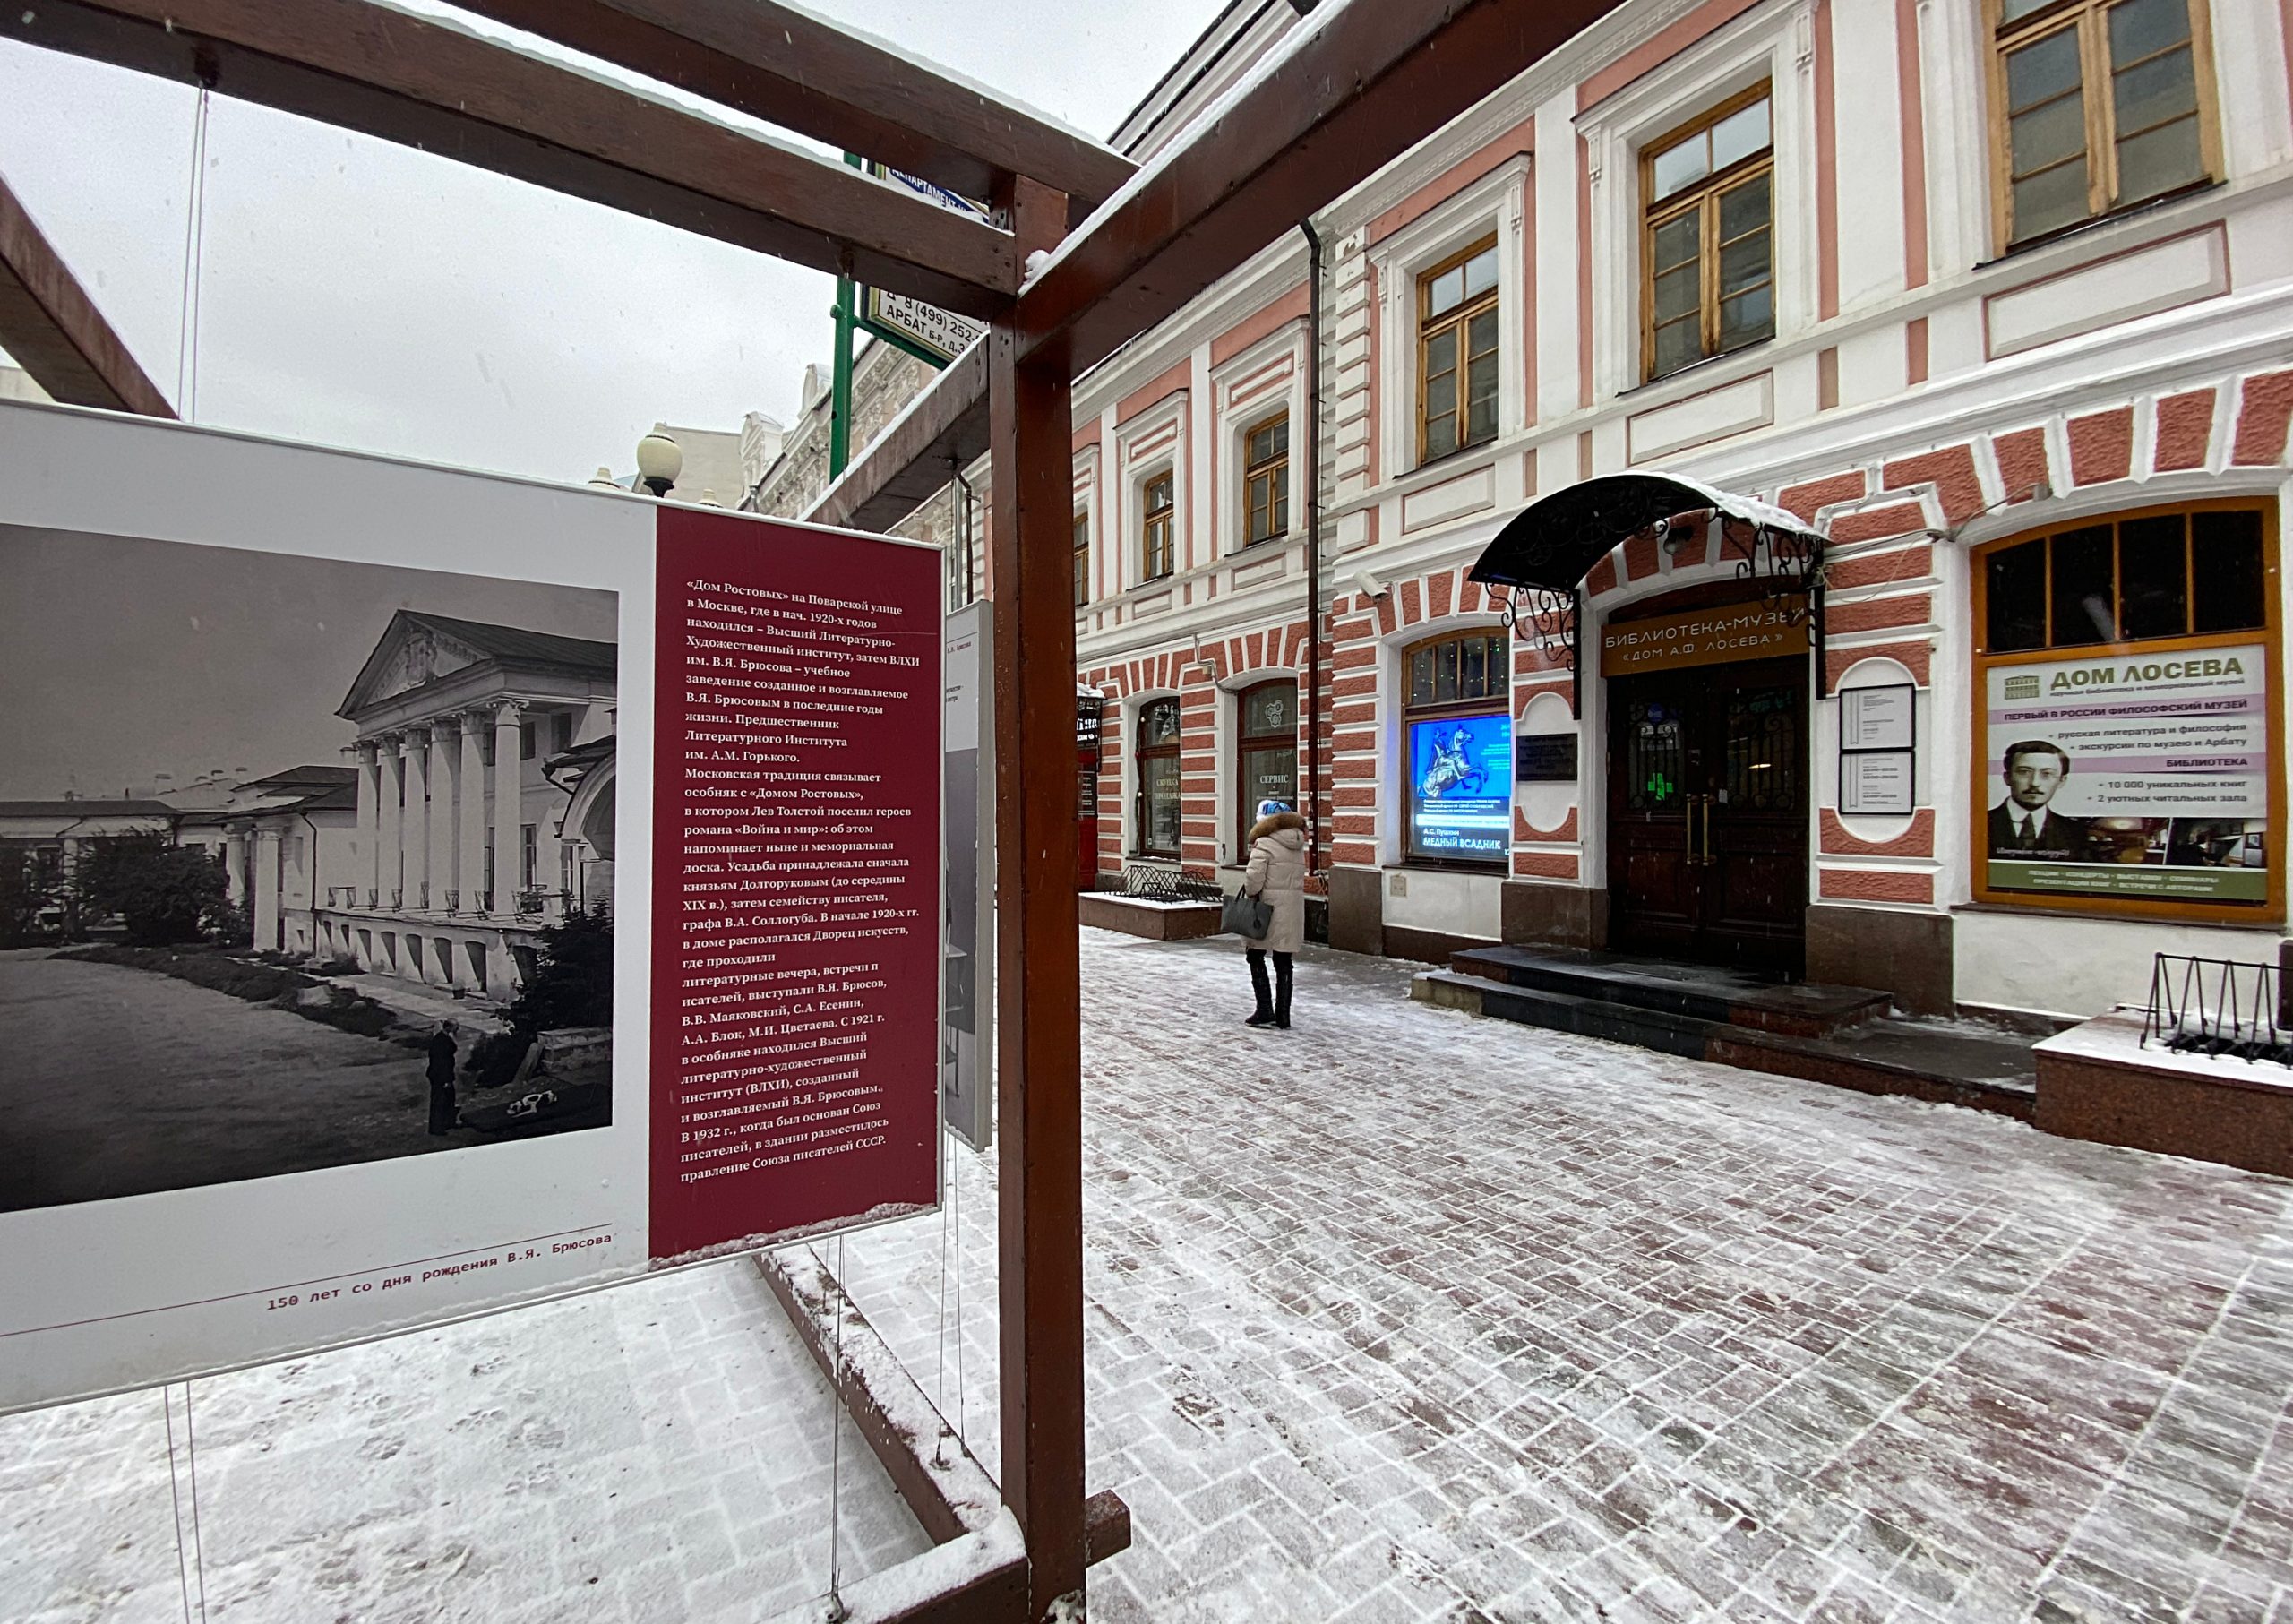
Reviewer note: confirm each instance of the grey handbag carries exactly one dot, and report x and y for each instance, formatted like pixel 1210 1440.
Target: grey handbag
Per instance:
pixel 1244 915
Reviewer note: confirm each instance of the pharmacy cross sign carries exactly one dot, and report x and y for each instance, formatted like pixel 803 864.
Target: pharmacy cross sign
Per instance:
pixel 925 332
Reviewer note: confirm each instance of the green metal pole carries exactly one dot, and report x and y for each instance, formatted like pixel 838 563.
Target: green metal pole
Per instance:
pixel 839 402
pixel 839 409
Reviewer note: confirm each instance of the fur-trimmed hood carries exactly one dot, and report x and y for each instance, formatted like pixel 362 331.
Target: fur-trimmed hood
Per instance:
pixel 1279 823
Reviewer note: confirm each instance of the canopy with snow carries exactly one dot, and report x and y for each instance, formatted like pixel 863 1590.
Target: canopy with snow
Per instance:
pixel 1553 543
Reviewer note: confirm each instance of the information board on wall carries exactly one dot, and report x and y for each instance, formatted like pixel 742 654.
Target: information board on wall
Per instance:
pixel 2129 775
pixel 437 892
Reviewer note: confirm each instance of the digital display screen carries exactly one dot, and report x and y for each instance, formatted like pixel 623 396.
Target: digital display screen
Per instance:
pixel 1461 788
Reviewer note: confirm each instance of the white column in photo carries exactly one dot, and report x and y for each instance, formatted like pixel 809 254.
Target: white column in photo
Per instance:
pixel 265 904
pixel 509 807
pixel 368 873
pixel 469 844
pixel 235 868
pixel 389 876
pixel 416 829
pixel 440 736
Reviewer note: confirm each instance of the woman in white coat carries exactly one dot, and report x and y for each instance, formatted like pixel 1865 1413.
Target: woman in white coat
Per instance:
pixel 1277 873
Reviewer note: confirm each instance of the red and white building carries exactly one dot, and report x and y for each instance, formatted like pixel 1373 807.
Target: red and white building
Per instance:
pixel 1995 295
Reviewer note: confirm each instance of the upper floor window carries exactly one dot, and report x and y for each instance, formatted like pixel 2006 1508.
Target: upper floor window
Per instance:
pixel 1707 245
pixel 1457 353
pixel 2187 574
pixel 1266 480
pixel 1082 560
pixel 1155 537
pixel 2100 105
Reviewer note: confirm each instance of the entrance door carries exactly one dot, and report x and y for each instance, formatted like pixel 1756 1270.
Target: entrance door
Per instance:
pixel 1708 813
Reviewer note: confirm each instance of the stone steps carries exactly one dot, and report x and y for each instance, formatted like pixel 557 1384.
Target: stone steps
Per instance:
pixel 1844 1038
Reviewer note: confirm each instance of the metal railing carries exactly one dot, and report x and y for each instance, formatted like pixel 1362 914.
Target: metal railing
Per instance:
pixel 2216 1006
pixel 1152 883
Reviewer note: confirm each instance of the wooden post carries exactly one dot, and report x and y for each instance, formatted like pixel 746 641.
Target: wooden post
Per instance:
pixel 1038 1020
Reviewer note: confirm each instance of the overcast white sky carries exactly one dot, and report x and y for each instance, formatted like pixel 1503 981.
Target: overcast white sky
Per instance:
pixel 356 293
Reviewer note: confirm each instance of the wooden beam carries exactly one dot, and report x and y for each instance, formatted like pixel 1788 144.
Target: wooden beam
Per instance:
pixel 1038 977
pixel 428 83
pixel 943 430
pixel 797 71
pixel 1362 87
pixel 1374 80
pixel 54 330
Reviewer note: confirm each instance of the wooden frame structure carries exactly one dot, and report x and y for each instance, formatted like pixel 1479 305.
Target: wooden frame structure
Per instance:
pixel 1357 84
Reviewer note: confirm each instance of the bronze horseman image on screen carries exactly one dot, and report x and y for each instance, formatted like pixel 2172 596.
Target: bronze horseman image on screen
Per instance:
pixel 303 862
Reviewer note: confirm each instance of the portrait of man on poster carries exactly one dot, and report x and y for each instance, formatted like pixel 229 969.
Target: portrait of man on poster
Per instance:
pixel 2024 825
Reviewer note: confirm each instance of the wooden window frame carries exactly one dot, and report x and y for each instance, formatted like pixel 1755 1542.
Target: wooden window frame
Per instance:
pixel 1246 741
pixel 1499 703
pixel 1157 527
pixel 2087 16
pixel 1703 196
pixel 1275 471
pixel 1430 327
pixel 2270 634
pixel 1140 754
pixel 1082 560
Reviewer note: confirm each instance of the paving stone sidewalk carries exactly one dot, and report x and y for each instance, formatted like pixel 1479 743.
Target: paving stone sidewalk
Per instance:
pixel 1405 1315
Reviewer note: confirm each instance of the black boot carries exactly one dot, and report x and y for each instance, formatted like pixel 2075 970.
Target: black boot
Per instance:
pixel 1264 1014
pixel 1282 992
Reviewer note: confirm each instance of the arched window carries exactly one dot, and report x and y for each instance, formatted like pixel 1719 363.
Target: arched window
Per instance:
pixel 1457 724
pixel 1266 766
pixel 1155 819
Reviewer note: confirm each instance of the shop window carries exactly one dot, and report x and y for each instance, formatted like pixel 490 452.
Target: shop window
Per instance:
pixel 2181 574
pixel 1457 353
pixel 1458 748
pixel 2128 736
pixel 1156 751
pixel 1707 246
pixel 1155 536
pixel 1266 764
pixel 1265 481
pixel 2098 105
pixel 1082 560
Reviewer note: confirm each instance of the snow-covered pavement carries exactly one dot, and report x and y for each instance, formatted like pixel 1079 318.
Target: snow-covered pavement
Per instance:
pixel 1406 1315
pixel 1400 1315
pixel 660 1452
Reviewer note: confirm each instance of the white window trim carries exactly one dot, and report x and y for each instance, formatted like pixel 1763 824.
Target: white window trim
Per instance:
pixel 1087 509
pixel 1130 714
pixel 1775 45
pixel 1393 730
pixel 1150 445
pixel 1496 203
pixel 1231 508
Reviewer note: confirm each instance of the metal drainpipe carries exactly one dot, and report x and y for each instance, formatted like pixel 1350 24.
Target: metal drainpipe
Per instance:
pixel 1316 823
pixel 963 506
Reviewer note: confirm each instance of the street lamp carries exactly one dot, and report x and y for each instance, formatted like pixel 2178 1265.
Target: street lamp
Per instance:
pixel 659 460
pixel 604 478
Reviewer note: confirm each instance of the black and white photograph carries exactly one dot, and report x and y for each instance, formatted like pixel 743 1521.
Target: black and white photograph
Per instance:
pixel 303 863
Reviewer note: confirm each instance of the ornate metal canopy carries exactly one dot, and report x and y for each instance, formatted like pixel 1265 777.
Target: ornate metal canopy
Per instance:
pixel 1553 543
pixel 1548 549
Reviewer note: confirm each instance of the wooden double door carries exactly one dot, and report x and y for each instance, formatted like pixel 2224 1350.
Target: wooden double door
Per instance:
pixel 1708 812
